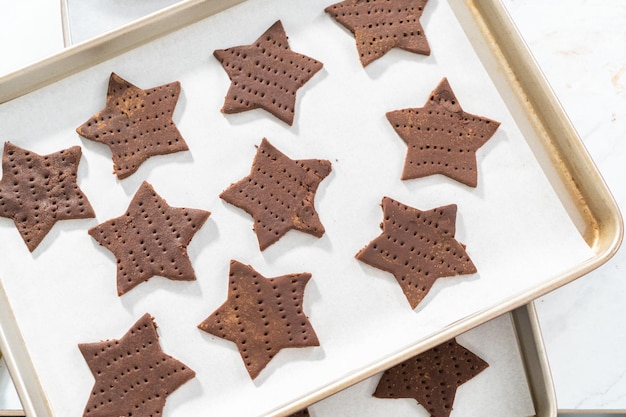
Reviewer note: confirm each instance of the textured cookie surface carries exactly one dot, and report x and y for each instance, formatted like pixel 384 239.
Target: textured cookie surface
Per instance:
pixel 133 375
pixel 150 239
pixel 417 247
pixel 37 191
pixel 441 137
pixel 266 74
pixel 135 124
pixel 432 378
pixel 379 25
pixel 262 315
pixel 279 194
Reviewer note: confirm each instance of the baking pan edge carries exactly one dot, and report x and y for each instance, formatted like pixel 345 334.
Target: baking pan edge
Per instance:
pixel 535 360
pixel 24 377
pixel 585 194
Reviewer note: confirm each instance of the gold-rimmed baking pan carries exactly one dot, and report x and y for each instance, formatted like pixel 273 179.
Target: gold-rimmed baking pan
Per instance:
pixel 514 88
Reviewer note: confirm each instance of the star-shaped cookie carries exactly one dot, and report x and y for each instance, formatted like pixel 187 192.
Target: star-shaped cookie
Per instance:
pixel 417 247
pixel 262 315
pixel 432 378
pixel 441 137
pixel 150 239
pixel 279 194
pixel 266 74
pixel 133 375
pixel 37 191
pixel 379 25
pixel 136 124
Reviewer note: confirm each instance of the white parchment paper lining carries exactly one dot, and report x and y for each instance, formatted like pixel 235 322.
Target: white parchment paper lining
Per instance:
pixel 514 226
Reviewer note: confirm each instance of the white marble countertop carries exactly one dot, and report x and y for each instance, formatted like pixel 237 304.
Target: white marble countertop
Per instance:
pixel 581 47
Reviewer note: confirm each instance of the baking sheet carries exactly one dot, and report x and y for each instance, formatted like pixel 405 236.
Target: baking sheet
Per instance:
pixel 28 33
pixel 500 390
pixel 516 230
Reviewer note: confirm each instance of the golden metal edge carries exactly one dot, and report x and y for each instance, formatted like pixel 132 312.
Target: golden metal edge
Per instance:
pixel 605 223
pixel 27 385
pixel 587 190
pixel 535 360
pixel 561 152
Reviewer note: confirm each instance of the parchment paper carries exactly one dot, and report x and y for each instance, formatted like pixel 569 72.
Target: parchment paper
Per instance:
pixel 515 228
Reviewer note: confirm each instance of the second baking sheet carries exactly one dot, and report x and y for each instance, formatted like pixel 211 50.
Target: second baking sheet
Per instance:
pixel 500 390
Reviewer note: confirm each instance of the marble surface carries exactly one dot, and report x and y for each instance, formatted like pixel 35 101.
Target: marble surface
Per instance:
pixel 113 13
pixel 581 47
pixel 30 30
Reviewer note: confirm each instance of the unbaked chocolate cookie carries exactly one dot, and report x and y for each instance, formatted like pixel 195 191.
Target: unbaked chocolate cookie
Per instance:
pixel 432 377
pixel 279 194
pixel 417 247
pixel 36 191
pixel 266 74
pixel 133 375
pixel 379 25
pixel 136 124
pixel 262 315
pixel 441 137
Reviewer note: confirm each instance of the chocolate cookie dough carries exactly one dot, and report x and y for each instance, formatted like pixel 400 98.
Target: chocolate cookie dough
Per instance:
pixel 262 315
pixel 379 25
pixel 150 239
pixel 417 247
pixel 266 74
pixel 133 375
pixel 37 191
pixel 279 194
pixel 432 377
pixel 136 124
pixel 441 137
